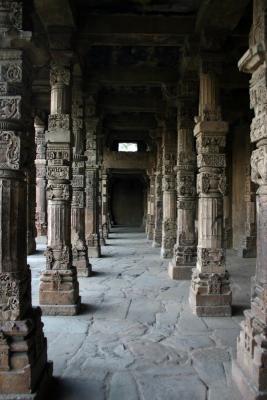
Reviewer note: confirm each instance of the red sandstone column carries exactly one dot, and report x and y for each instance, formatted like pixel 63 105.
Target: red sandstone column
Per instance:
pixel 92 181
pixel 151 206
pixel 210 293
pixel 185 249
pixel 169 187
pixel 157 234
pixel 79 249
pixel 40 163
pixel 250 368
pixel 23 348
pixel 59 288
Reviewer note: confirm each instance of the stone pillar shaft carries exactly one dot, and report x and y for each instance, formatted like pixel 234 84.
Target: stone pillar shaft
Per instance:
pixel 210 293
pixel 157 234
pixel 92 183
pixel 184 253
pixel 79 249
pixel 40 163
pixel 23 347
pixel 248 245
pixel 250 368
pixel 169 190
pixel 104 200
pixel 151 206
pixel 59 288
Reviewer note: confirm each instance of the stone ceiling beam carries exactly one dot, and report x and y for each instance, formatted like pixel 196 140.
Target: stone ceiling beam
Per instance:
pixel 55 13
pixel 220 16
pixel 131 39
pixel 131 76
pixel 132 103
pixel 130 122
pixel 135 24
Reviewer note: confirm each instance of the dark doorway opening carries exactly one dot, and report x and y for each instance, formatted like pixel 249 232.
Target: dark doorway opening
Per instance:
pixel 127 200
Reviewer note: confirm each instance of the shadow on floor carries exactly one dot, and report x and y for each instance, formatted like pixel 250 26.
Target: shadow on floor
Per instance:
pixel 72 389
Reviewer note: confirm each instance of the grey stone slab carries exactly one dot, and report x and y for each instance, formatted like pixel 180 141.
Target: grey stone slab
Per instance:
pixel 67 325
pixel 147 314
pixel 222 393
pixel 209 364
pixel 136 331
pixel 190 324
pixel 219 323
pixel 171 388
pixel 226 337
pixel 123 386
pixel 189 342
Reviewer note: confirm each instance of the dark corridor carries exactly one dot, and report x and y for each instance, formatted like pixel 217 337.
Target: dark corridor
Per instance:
pixel 127 201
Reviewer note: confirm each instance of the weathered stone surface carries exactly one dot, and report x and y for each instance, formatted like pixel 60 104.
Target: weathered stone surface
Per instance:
pixel 210 293
pixel 123 386
pixel 160 343
pixel 59 288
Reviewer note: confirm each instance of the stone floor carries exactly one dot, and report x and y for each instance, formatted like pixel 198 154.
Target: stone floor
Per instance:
pixel 136 337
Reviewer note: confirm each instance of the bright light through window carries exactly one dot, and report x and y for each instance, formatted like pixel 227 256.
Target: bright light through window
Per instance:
pixel 128 147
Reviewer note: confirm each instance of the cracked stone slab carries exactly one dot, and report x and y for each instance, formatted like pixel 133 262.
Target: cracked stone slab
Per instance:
pixel 171 388
pixel 136 331
pixel 123 386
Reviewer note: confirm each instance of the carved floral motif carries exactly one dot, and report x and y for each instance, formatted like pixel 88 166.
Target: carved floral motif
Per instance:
pixel 9 150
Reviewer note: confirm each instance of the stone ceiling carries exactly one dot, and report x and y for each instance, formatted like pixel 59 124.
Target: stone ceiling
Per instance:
pixel 130 49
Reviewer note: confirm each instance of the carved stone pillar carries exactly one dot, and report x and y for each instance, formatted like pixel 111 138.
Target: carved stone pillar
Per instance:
pixel 104 204
pixel 79 248
pixel 185 249
pixel 92 183
pixel 23 347
pixel 157 234
pixel 169 188
pixel 40 163
pixel 250 368
pixel 210 293
pixel 100 213
pixel 59 288
pixel 151 206
pixel 31 198
pixel 248 245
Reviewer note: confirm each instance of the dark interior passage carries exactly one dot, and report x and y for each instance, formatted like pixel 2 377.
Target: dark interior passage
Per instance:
pixel 127 201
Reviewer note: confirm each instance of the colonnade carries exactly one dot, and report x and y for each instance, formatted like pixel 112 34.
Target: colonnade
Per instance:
pixel 188 176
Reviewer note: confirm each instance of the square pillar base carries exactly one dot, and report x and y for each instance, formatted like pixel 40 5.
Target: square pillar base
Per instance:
pixel 210 305
pixel 23 348
pixel 59 292
pixel 180 272
pixel 94 252
pixel 84 268
pixel 41 393
pixel 244 386
pixel 166 253
pixel 63 310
